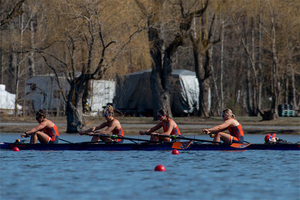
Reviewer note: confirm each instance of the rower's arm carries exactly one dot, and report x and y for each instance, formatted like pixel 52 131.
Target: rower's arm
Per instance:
pixel 110 128
pixel 221 127
pixel 37 128
pixel 100 126
pixel 96 128
pixel 151 130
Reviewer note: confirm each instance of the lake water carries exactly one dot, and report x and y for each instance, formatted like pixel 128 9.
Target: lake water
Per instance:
pixel 105 175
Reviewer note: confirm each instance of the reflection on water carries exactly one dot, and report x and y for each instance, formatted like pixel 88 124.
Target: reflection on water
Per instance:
pixel 130 175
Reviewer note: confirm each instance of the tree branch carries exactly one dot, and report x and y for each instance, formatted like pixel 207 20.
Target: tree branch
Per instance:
pixel 13 13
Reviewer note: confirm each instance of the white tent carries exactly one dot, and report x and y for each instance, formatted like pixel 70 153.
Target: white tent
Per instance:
pixel 7 101
pixel 133 93
pixel 42 92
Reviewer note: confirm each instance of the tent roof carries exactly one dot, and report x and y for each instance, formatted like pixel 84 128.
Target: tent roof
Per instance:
pixel 179 72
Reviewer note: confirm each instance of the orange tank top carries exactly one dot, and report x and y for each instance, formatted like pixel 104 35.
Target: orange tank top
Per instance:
pixel 52 132
pixel 118 132
pixel 236 131
pixel 175 131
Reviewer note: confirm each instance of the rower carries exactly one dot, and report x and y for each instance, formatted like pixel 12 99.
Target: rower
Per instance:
pixel 234 127
pixel 113 126
pixel 169 126
pixel 45 132
pixel 272 139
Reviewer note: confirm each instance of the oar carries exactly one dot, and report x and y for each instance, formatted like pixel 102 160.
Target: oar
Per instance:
pixel 234 145
pixel 65 141
pixel 240 145
pixel 22 141
pixel 134 139
pixel 182 145
pixel 129 138
pixel 174 137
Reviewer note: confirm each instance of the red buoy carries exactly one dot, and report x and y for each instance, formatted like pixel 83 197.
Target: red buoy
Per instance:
pixel 16 149
pixel 175 152
pixel 160 168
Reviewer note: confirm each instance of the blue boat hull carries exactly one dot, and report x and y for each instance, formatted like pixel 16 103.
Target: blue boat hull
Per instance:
pixel 140 147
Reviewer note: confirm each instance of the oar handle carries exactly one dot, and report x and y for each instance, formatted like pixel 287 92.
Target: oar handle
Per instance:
pixel 174 137
pixel 86 133
pixel 135 139
pixel 114 137
pixel 201 140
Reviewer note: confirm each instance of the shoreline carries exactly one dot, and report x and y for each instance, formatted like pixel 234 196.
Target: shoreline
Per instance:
pixel 132 125
pixel 134 128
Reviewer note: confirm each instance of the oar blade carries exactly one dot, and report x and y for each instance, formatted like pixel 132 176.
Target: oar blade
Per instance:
pixel 240 145
pixel 181 145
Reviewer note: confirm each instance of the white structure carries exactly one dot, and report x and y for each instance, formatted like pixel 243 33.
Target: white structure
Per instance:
pixel 42 92
pixel 7 101
pixel 102 93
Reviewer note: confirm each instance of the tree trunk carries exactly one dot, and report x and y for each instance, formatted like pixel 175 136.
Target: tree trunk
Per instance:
pixel 155 82
pixel 293 88
pixel 267 114
pixel 216 102
pixel 75 119
pixel 222 63
pixel 18 67
pixel 275 89
pixel 155 90
pixel 31 61
pixel 161 70
pixel 247 65
pixel 160 82
pixel 275 66
pixel 259 93
pixel 17 81
pixel 253 63
pixel 1 64
pixel 202 70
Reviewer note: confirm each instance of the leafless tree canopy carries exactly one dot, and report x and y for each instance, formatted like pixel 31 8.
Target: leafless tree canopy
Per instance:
pixel 245 53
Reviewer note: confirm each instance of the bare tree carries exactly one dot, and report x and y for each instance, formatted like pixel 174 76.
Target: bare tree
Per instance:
pixel 8 11
pixel 202 43
pixel 164 40
pixel 80 32
pixel 170 26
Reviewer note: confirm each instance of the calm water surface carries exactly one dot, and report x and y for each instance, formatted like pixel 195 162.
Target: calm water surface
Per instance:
pixel 130 175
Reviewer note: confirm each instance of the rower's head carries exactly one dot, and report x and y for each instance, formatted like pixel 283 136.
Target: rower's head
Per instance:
pixel 227 113
pixel 270 138
pixel 163 114
pixel 109 112
pixel 40 116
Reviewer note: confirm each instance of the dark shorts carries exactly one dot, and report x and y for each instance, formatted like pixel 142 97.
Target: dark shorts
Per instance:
pixel 235 140
pixel 55 141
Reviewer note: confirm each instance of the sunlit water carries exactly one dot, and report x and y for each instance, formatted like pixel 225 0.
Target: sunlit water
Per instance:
pixel 130 174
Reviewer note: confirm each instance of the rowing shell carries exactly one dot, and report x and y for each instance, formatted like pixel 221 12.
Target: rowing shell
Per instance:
pixel 141 147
